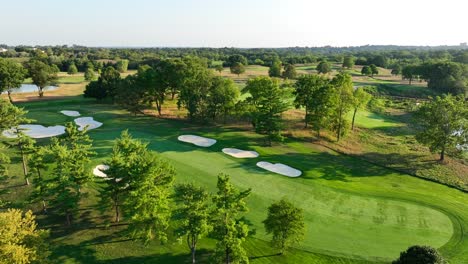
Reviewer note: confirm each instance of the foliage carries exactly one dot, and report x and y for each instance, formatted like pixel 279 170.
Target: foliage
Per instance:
pixel 374 69
pixel 314 93
pixel 72 69
pixel 235 58
pixel 237 68
pixel 89 74
pixel 360 100
pixel 11 116
pixel 342 102
pixel 11 76
pixel 289 72
pixel 193 214
pixel 21 242
pixel 443 124
pixel 42 75
pixel 275 69
pixel 222 97
pixel 267 100
pixel 228 228
pixel 420 255
pixel 366 70
pixel 121 66
pixel 447 77
pixel 105 86
pixel 286 223
pixel 348 62
pixel 324 67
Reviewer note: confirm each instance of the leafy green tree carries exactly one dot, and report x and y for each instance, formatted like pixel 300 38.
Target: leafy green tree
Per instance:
pixel 443 124
pixel 397 70
pixel 37 165
pixel 360 100
pixel 374 69
pixel 121 66
pixel 237 68
pixel 366 70
pixel 42 75
pixel 193 215
pixel 11 76
pixel 324 67
pixel 309 96
pixel 105 86
pixel 223 95
pixel 275 69
pixel 342 101
pixel 447 77
pixel 289 72
pixel 25 146
pixel 409 73
pixel 132 93
pixel 228 228
pixel 89 75
pixel 348 62
pixel 236 58
pixel 21 242
pixel 11 116
pixel 219 68
pixel 197 80
pixel 286 223
pixel 72 69
pixel 420 255
pixel 267 100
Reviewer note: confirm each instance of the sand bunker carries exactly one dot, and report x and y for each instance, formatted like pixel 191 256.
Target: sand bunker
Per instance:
pixel 197 140
pixel 35 131
pixel 70 113
pixel 98 171
pixel 87 121
pixel 239 153
pixel 279 168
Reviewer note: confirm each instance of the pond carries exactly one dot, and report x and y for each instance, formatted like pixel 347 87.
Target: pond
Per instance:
pixel 29 88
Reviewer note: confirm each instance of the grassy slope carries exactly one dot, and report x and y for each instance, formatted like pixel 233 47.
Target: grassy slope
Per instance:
pixel 351 207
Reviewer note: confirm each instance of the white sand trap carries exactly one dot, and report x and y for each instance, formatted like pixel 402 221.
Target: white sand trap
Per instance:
pixel 279 168
pixel 36 131
pixel 197 140
pixel 98 171
pixel 239 153
pixel 87 121
pixel 70 113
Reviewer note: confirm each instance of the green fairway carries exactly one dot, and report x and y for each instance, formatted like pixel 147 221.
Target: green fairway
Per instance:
pixel 353 209
pixel 368 119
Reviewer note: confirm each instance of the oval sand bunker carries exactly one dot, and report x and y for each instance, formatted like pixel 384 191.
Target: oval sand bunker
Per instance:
pixel 82 122
pixel 70 113
pixel 197 140
pixel 239 153
pixel 36 131
pixel 279 168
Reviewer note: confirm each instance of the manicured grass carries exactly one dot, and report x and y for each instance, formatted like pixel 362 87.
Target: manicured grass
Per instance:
pixel 353 209
pixel 368 119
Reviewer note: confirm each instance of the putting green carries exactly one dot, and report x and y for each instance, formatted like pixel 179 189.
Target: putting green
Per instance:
pixel 352 208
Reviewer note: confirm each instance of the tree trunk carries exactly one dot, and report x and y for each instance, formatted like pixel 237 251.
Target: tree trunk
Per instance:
pixel 41 92
pixel 25 168
pixel 44 208
pixel 68 219
pixel 442 154
pixel 354 116
pixel 306 118
pixel 117 214
pixel 9 96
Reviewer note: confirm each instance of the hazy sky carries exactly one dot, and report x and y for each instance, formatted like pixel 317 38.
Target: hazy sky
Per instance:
pixel 234 23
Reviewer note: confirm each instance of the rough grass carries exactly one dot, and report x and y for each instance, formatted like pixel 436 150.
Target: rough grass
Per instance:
pixel 354 210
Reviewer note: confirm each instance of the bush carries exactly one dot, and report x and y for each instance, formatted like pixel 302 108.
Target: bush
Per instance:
pixel 420 255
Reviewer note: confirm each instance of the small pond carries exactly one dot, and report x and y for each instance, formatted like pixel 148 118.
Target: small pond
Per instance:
pixel 29 88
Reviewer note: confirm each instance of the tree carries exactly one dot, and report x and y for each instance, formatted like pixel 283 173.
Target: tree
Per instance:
pixel 314 94
pixel 289 72
pixel 324 67
pixel 397 70
pixel 219 68
pixel 267 100
pixel 42 75
pixel 11 116
pixel 360 100
pixel 420 255
pixel 21 242
pixel 366 70
pixel 11 76
pixel 197 80
pixel 374 70
pixel 342 101
pixel 286 223
pixel 446 77
pixel 121 66
pixel 105 86
pixel 237 68
pixel 223 95
pixel 38 164
pixel 275 69
pixel 228 228
pixel 72 69
pixel 236 58
pixel 348 62
pixel 132 94
pixel 25 145
pixel 193 214
pixel 89 75
pixel 443 124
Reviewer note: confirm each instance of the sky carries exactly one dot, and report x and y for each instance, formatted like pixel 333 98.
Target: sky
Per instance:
pixel 234 23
